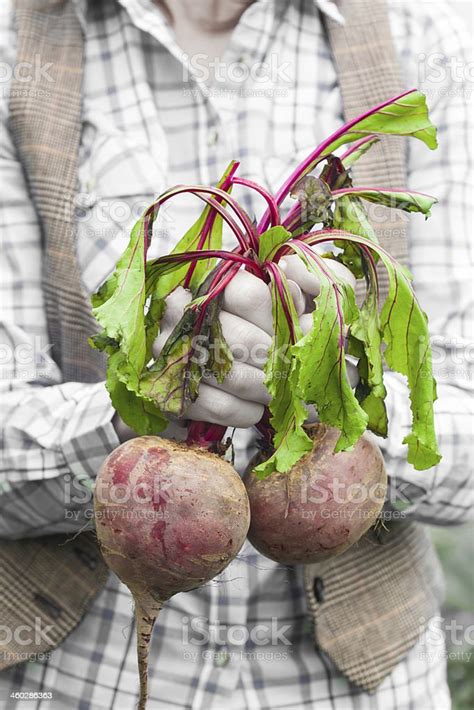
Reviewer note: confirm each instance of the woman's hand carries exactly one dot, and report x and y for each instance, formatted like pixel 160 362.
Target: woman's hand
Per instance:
pixel 246 319
pixel 247 326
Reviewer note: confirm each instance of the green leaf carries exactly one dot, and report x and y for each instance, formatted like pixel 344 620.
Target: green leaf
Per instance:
pixel 372 403
pixel 354 155
pixel 315 198
pixel 154 314
pixel 139 414
pixel 405 332
pixel 121 304
pixel 270 240
pixel 287 409
pixel 322 376
pixel 130 313
pixel 130 305
pixel 365 342
pixel 195 345
pixel 403 200
pixel 350 216
pixel 101 341
pixel 172 382
pixel 220 356
pixel 406 115
pixel 203 267
pixel 105 291
pixel 169 280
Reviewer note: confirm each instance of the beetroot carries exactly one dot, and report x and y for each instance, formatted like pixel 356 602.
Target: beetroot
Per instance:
pixel 313 502
pixel 322 506
pixel 169 518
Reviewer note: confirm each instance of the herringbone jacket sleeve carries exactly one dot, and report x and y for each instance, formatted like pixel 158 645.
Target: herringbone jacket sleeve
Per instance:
pixel 53 433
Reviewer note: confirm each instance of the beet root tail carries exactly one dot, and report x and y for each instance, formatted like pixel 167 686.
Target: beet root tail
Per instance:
pixel 145 621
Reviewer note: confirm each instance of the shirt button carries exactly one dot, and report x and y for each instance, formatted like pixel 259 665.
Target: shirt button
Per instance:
pixel 212 136
pixel 318 589
pixel 221 659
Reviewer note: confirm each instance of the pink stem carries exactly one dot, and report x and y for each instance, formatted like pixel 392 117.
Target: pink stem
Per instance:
pixel 318 154
pixel 331 235
pixel 152 211
pixel 355 146
pixel 327 272
pixel 264 427
pixel 208 254
pixel 272 205
pixel 223 278
pixel 205 434
pixel 209 223
pixel 327 235
pixel 241 236
pixel 224 281
pixel 379 188
pixel 291 221
pixel 200 245
pixel 276 275
pixel 243 216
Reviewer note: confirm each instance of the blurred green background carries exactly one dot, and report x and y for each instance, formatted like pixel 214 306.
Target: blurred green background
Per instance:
pixel 455 548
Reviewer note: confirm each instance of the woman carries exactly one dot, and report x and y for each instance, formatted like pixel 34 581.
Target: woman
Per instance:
pixel 171 92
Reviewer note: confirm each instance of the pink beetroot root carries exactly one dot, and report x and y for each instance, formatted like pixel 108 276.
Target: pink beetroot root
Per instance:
pixel 169 518
pixel 322 506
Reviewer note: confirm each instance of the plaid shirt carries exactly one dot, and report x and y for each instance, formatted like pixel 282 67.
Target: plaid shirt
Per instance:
pixel 153 118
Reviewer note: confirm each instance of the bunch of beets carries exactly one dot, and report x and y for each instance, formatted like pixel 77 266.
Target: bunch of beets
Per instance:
pixel 188 512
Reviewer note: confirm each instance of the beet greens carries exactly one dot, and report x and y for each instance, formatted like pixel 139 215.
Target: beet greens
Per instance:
pixel 300 370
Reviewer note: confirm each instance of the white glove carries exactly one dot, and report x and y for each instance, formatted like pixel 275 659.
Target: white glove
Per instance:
pixel 246 319
pixel 247 325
